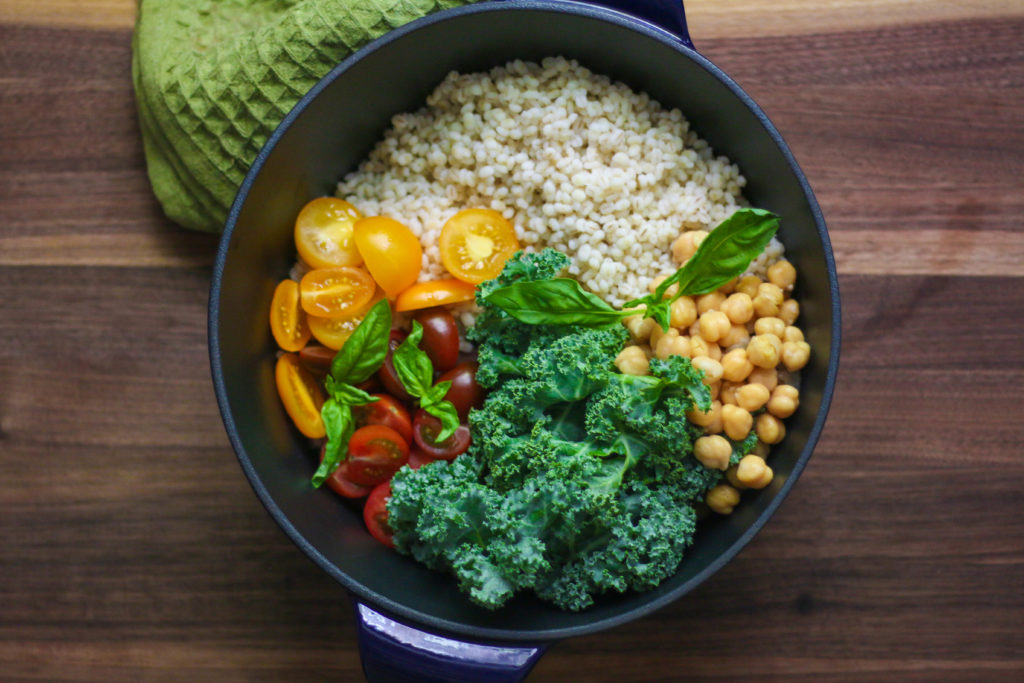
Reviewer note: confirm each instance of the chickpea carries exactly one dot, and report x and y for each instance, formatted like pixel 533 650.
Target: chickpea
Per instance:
pixel 789 311
pixel 736 336
pixel 736 422
pixel 639 327
pixel 729 287
pixel 770 325
pixel 763 350
pixel 709 302
pixel 722 499
pixel 770 428
pixel 736 367
pixel 702 419
pixel 768 300
pixel 752 397
pixel 739 307
pixel 748 284
pixel 730 476
pixel 712 368
pixel 715 388
pixel 701 347
pixel 768 377
pixel 656 282
pixel 686 245
pixel 672 344
pixel 792 334
pixel 753 472
pixel 713 452
pixel 714 325
pixel 761 449
pixel 633 361
pixel 784 401
pixel 656 334
pixel 683 312
pixel 782 274
pixel 795 355
pixel 727 395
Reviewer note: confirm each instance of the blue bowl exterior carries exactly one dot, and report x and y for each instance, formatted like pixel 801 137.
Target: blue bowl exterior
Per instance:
pixel 322 138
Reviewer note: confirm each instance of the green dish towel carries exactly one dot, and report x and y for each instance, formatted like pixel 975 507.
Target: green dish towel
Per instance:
pixel 214 77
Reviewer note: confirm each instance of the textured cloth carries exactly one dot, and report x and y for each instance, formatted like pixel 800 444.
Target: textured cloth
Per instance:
pixel 214 77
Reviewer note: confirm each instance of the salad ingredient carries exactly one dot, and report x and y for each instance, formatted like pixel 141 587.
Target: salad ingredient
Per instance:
pixel 723 498
pixel 753 473
pixel 300 394
pixel 323 233
pixel 340 483
pixel 375 452
pixel 475 243
pixel 375 514
pixel 387 411
pixel 434 293
pixel 316 358
pixel 416 373
pixel 464 393
pixel 440 338
pixel 391 252
pixel 418 458
pixel 287 319
pixel 332 332
pixel 387 375
pixel 335 292
pixel 426 433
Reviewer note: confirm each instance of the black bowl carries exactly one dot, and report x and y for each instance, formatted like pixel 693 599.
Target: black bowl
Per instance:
pixel 330 131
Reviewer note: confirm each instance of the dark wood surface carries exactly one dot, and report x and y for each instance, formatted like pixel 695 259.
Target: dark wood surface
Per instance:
pixel 131 548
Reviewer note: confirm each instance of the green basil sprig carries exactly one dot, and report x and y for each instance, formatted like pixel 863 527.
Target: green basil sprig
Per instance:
pixel 416 373
pixel 359 357
pixel 724 254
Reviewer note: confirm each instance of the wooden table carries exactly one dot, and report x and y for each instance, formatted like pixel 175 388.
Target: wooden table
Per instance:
pixel 131 548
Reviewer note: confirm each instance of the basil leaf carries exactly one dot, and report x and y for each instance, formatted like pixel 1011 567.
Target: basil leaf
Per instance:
pixel 661 312
pixel 347 394
pixel 445 412
pixel 560 301
pixel 340 425
pixel 363 353
pixel 435 394
pixel 412 364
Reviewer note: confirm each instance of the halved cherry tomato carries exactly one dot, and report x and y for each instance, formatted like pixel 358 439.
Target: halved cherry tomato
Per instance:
pixel 465 392
pixel 334 332
pixel 435 293
pixel 387 411
pixel 342 485
pixel 426 427
pixel 440 337
pixel 323 233
pixel 475 243
pixel 391 252
pixel 418 459
pixel 387 375
pixel 317 359
pixel 287 319
pixel 375 514
pixel 301 395
pixel 375 452
pixel 335 292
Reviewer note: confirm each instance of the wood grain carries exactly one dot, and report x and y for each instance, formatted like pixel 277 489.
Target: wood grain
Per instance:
pixel 134 550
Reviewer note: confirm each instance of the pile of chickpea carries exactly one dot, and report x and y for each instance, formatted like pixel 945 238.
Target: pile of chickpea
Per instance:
pixel 743 336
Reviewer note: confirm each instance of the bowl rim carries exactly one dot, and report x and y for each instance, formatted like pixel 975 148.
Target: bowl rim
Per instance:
pixel 383 602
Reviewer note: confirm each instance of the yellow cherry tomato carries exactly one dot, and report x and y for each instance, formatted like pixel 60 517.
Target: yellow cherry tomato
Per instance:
pixel 323 233
pixel 287 319
pixel 335 292
pixel 391 252
pixel 434 293
pixel 475 243
pixel 333 332
pixel 301 395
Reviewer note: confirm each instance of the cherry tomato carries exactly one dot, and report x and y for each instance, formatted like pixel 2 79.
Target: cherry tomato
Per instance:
pixel 465 392
pixel 375 514
pixel 435 293
pixel 386 411
pixel 334 332
pixel 391 252
pixel 317 359
pixel 287 319
pixel 475 243
pixel 418 458
pixel 375 452
pixel 387 375
pixel 426 427
pixel 301 395
pixel 341 484
pixel 323 233
pixel 440 337
pixel 335 292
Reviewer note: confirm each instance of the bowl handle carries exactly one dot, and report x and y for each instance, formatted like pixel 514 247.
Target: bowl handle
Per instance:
pixel 393 652
pixel 665 14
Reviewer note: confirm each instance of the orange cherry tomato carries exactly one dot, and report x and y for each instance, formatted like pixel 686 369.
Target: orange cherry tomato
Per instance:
pixel 287 319
pixel 475 243
pixel 323 233
pixel 434 293
pixel 391 252
pixel 333 332
pixel 301 395
pixel 335 292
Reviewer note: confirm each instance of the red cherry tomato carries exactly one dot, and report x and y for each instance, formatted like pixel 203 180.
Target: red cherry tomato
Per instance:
pixel 316 358
pixel 342 485
pixel 440 337
pixel 465 392
pixel 387 411
pixel 375 452
pixel 375 514
pixel 418 459
pixel 426 427
pixel 387 375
